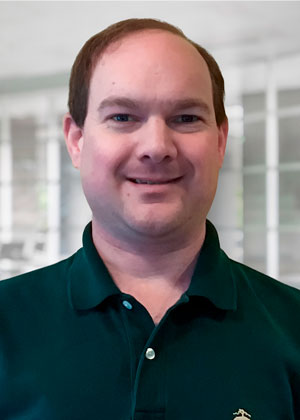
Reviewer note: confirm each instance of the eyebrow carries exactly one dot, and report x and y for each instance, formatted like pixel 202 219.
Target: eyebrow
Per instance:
pixel 173 104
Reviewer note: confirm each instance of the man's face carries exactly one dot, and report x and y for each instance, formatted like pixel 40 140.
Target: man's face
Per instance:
pixel 150 169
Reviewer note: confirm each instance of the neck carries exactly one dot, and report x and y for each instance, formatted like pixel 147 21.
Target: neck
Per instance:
pixel 156 272
pixel 169 261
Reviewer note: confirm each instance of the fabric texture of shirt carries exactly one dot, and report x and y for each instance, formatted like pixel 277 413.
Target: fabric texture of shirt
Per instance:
pixel 74 347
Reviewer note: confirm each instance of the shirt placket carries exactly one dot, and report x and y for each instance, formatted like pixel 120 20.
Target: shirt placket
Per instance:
pixel 147 364
pixel 148 361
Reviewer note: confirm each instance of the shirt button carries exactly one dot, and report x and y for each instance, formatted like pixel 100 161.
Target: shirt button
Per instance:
pixel 150 353
pixel 127 304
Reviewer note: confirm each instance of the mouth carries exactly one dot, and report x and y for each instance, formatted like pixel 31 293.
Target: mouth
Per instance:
pixel 154 182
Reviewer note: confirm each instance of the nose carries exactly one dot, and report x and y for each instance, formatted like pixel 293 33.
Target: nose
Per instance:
pixel 156 142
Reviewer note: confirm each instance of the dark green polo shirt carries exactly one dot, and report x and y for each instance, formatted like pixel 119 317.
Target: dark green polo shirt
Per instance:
pixel 73 347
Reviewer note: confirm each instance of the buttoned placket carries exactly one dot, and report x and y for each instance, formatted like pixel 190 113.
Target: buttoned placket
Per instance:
pixel 148 364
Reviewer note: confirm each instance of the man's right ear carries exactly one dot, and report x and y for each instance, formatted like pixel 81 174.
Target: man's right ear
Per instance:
pixel 73 138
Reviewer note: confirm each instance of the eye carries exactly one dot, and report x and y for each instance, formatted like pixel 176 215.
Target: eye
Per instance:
pixel 186 118
pixel 121 117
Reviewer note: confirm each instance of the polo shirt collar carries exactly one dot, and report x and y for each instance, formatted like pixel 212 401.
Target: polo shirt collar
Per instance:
pixel 212 277
pixel 90 283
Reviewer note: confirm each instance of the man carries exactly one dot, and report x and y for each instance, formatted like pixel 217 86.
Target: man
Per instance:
pixel 150 319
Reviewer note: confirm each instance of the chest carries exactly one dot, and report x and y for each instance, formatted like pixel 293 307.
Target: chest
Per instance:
pixel 202 365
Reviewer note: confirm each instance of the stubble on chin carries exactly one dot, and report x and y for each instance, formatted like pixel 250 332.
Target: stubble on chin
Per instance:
pixel 155 223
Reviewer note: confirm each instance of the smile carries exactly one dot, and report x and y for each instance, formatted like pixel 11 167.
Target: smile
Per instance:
pixel 151 182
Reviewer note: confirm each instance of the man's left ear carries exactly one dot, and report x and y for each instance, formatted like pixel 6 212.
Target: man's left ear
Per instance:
pixel 73 138
pixel 222 140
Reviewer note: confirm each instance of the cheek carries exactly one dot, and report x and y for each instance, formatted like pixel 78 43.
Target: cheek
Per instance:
pixel 101 162
pixel 205 163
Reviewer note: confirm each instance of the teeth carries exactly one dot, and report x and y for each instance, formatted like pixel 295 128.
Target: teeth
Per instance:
pixel 138 181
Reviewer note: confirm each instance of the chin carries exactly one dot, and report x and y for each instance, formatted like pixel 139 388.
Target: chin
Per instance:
pixel 159 220
pixel 156 227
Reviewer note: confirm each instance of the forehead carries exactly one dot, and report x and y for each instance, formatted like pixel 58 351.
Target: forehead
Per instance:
pixel 152 63
pixel 148 39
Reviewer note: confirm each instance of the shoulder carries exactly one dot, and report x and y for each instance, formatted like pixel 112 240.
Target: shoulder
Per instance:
pixel 262 283
pixel 46 281
pixel 274 300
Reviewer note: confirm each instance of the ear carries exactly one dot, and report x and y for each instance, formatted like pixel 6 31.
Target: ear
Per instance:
pixel 73 138
pixel 222 140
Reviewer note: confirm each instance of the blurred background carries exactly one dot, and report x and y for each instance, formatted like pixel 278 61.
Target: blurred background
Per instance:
pixel 257 45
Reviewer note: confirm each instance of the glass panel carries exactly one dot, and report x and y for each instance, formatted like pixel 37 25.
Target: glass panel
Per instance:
pixel 1 186
pixel 233 158
pixel 29 171
pixel 9 269
pixel 29 206
pixel 231 242
pixel 226 210
pixel 29 154
pixel 289 245
pixel 254 102
pixel 288 98
pixel 254 145
pixel 254 200
pixel 75 212
pixel 289 139
pixel 255 250
pixel 289 202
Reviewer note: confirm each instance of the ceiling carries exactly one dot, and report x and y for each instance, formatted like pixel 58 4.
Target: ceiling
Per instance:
pixel 43 37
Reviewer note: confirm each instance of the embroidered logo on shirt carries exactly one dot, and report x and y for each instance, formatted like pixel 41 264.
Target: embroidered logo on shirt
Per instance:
pixel 242 415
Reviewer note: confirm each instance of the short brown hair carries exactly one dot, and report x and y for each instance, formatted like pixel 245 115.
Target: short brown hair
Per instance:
pixel 91 51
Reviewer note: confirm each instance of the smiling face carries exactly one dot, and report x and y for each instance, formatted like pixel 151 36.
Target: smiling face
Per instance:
pixel 150 150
